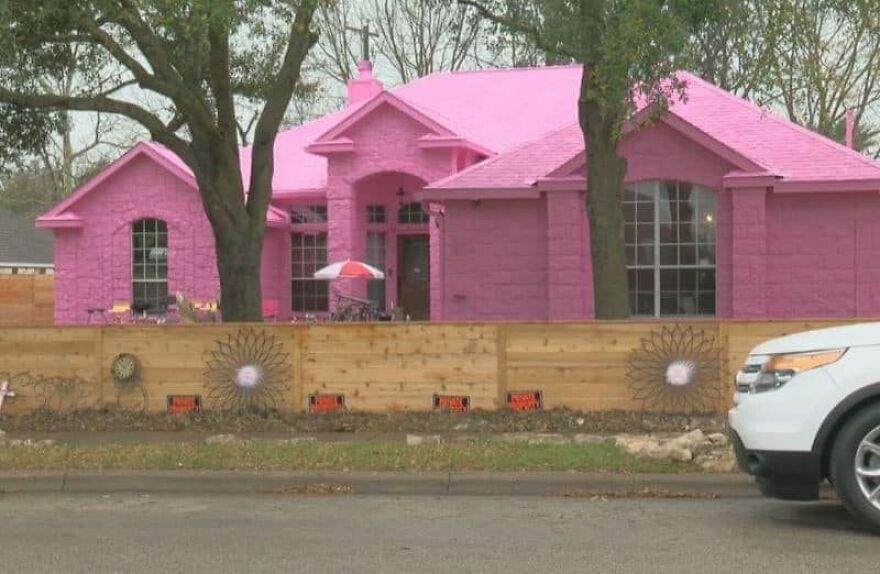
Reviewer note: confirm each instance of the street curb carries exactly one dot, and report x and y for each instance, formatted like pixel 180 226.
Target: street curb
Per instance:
pixel 383 483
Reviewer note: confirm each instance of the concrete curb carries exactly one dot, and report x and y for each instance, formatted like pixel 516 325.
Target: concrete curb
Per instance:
pixel 383 483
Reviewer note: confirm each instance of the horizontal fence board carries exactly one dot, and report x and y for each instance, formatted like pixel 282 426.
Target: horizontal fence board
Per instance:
pixel 27 300
pixel 378 367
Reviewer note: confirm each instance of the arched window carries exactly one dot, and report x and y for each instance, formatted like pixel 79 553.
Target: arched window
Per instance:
pixel 412 213
pixel 669 232
pixel 149 259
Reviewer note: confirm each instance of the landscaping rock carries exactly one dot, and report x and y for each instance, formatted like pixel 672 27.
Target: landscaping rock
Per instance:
pixel 688 441
pixel 548 438
pixel 298 440
pixel 718 439
pixel 416 440
pixel 640 445
pixel 222 439
pixel 677 453
pixel 582 438
pixel 514 437
pixel 723 461
pixel 30 443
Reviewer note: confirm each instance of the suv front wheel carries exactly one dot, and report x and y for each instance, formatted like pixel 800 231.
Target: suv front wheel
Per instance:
pixel 855 466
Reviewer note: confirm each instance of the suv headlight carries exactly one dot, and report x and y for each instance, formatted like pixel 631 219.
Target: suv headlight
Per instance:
pixel 779 369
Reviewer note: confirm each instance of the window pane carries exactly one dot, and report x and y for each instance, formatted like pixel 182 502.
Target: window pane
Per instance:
pixel 668 280
pixel 412 213
pixel 645 304
pixel 308 214
pixel 687 254
pixel 375 214
pixel 706 303
pixel 688 279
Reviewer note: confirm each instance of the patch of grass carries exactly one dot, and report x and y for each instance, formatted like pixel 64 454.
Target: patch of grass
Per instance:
pixel 354 455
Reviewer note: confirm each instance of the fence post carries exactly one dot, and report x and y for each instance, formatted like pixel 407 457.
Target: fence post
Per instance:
pixel 99 351
pixel 299 334
pixel 724 363
pixel 501 352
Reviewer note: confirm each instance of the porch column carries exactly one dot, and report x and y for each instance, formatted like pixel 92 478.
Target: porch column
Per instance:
pixel 340 228
pixel 569 283
pixel 435 255
pixel 748 252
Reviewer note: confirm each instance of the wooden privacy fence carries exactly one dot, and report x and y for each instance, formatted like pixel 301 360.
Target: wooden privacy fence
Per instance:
pixel 630 365
pixel 27 299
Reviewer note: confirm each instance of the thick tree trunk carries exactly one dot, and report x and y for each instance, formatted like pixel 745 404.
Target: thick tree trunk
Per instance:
pixel 605 173
pixel 238 262
pixel 238 236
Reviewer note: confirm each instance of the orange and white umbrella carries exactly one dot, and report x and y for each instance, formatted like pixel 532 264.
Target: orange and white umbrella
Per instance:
pixel 349 269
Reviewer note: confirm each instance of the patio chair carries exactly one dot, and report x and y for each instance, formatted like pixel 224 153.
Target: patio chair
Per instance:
pixel 119 311
pixel 270 309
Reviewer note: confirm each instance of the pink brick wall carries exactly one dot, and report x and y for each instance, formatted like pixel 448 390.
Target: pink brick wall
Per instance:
pixel 93 264
pixel 569 276
pixel 496 260
pixel 275 271
pixel 823 255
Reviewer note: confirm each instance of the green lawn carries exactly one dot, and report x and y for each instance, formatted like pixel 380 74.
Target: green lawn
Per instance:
pixel 354 455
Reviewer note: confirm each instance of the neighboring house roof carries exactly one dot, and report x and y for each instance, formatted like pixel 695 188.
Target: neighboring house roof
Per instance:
pixel 754 139
pixel 21 244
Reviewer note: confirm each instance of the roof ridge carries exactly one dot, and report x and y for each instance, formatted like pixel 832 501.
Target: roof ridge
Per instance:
pixel 780 120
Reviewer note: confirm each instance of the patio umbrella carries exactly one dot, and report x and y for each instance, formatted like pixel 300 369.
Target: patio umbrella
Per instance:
pixel 349 269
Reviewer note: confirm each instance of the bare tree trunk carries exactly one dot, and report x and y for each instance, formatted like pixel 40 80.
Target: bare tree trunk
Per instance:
pixel 238 261
pixel 605 173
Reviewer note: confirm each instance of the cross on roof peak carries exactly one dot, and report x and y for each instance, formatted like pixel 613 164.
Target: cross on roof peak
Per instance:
pixel 365 33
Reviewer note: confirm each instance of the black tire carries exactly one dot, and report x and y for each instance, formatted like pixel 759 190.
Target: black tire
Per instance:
pixel 843 463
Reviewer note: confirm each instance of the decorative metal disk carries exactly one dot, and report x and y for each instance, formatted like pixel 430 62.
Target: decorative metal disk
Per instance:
pixel 676 370
pixel 246 372
pixel 124 368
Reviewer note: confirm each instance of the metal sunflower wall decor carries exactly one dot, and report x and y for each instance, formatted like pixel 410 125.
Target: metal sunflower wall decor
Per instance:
pixel 124 369
pixel 246 372
pixel 676 369
pixel 131 394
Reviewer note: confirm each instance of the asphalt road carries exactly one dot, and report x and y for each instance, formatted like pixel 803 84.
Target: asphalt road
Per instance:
pixel 124 533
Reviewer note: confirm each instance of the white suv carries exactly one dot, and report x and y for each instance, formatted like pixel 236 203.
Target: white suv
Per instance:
pixel 806 409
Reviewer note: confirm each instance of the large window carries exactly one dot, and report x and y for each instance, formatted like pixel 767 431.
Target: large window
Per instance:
pixel 149 241
pixel 669 232
pixel 308 254
pixel 376 258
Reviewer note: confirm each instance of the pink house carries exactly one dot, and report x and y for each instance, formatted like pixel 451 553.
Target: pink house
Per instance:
pixel 468 190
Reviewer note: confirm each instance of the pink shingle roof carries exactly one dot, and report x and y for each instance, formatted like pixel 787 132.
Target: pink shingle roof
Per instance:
pixel 781 146
pixel 522 165
pixel 499 109
pixel 774 144
pixel 511 112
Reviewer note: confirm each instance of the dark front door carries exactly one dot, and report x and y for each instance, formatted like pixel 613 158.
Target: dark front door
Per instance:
pixel 413 279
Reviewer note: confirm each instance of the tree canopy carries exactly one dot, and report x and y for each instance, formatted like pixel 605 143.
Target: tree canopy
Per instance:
pixel 181 69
